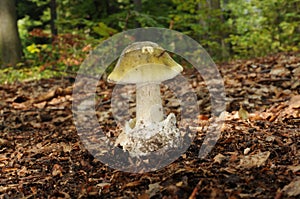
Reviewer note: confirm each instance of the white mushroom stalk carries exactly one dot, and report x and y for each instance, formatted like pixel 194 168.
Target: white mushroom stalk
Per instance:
pixel 148 103
pixel 146 64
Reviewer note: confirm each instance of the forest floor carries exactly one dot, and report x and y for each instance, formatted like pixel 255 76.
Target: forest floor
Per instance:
pixel 256 156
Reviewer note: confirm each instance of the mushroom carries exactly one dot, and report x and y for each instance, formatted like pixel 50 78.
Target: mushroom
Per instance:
pixel 146 64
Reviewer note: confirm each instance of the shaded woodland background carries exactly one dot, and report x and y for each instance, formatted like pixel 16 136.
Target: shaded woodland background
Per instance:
pixel 44 38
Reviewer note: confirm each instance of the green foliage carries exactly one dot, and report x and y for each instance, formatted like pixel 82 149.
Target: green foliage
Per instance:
pixel 263 27
pixel 226 29
pixel 9 75
pixel 103 30
pixel 204 21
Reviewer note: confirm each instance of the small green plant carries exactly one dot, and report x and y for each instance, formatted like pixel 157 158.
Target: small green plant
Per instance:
pixel 61 57
pixel 10 75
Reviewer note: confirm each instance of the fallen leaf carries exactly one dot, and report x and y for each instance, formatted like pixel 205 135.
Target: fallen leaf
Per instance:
pixel 40 105
pixel 294 168
pixel 132 184
pixel 144 196
pixel 292 189
pixel 270 138
pixel 60 120
pixel 179 184
pixel 255 116
pixel 243 114
pixel 295 102
pixel 219 158
pixel 246 150
pixel 67 147
pixel 202 117
pixel 4 142
pixel 9 169
pixel 255 160
pixel 173 103
pixel 57 170
pixel 279 70
pixel 296 72
pixel 103 185
pixel 233 157
pixel 19 105
pixel 33 190
pixel 153 189
pixel 46 96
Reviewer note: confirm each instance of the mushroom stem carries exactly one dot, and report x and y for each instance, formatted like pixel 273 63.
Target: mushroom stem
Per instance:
pixel 148 103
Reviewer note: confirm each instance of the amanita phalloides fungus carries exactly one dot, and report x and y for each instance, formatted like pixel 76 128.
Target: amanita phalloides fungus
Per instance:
pixel 146 65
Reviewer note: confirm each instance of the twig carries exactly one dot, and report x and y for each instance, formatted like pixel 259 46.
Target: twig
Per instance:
pixel 196 189
pixel 274 80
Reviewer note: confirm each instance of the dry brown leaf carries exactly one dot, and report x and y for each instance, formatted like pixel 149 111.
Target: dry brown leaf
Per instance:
pixel 173 103
pixel 19 105
pixel 40 105
pixel 296 72
pixel 46 96
pixel 60 120
pixel 279 70
pixel 3 158
pixel 247 150
pixel 103 185
pixel 35 125
pixel 179 184
pixel 132 184
pixel 144 196
pixel 67 147
pixel 219 158
pixel 255 160
pixel 295 84
pixel 292 189
pixel 153 189
pixel 295 168
pixel 295 102
pixel 33 190
pixel 9 169
pixel 57 100
pixel 4 142
pixel 57 170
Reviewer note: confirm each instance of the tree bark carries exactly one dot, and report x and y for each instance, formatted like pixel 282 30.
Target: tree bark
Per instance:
pixel 137 5
pixel 137 8
pixel 53 19
pixel 10 44
pixel 216 5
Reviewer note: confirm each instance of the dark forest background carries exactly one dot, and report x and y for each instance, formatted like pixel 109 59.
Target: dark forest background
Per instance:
pixel 37 35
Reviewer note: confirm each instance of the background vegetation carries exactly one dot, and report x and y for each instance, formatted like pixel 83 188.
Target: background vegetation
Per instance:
pixel 56 35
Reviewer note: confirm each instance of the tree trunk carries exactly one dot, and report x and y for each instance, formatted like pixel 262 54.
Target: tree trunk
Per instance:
pixel 53 19
pixel 137 8
pixel 202 5
pixel 215 5
pixel 137 5
pixel 10 44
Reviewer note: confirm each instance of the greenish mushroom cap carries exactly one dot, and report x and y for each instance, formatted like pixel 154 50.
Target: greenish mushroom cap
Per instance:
pixel 143 62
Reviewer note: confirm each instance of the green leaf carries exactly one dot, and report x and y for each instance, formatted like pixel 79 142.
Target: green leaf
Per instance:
pixel 103 30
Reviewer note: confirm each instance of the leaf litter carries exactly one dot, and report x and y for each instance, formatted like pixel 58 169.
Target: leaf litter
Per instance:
pixel 257 155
